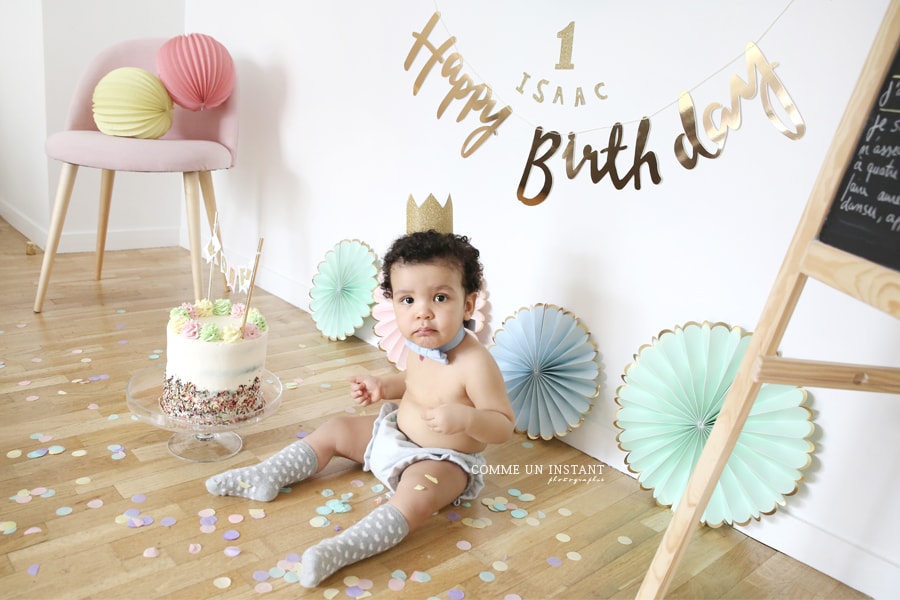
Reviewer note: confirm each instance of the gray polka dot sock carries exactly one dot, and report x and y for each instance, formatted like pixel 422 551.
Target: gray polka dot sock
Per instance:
pixel 263 481
pixel 380 530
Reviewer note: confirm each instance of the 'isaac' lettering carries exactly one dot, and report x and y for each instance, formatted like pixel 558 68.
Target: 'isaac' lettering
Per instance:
pixel 461 87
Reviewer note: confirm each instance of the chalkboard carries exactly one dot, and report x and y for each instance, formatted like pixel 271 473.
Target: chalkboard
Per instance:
pixel 864 218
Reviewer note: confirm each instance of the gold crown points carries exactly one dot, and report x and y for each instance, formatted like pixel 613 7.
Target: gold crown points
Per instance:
pixel 430 215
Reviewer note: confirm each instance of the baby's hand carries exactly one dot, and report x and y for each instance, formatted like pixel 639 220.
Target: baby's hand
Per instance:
pixel 448 418
pixel 365 390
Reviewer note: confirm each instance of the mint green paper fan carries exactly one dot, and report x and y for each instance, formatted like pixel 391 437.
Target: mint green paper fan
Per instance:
pixel 341 294
pixel 549 365
pixel 670 401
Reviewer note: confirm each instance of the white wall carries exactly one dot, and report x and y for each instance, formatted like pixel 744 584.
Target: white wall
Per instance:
pixel 45 46
pixel 333 142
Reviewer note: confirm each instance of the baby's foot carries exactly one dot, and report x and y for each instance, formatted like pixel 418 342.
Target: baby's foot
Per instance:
pixel 263 481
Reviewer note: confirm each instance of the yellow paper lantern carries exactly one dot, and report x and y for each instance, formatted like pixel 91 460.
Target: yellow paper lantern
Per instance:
pixel 132 102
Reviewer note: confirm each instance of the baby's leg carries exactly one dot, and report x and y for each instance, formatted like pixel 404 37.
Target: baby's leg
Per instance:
pixel 341 436
pixel 417 498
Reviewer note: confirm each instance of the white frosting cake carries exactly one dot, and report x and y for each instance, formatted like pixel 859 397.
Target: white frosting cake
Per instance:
pixel 213 367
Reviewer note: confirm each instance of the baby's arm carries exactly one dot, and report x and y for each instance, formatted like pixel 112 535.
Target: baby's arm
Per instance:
pixel 490 420
pixel 368 389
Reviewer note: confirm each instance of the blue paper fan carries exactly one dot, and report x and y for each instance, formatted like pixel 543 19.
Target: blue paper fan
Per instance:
pixel 549 365
pixel 341 294
pixel 669 403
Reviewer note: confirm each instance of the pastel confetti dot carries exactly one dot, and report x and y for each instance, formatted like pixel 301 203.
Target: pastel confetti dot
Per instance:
pixel 514 492
pixel 573 555
pixel 291 577
pixel 396 585
pixel 95 503
pixel 319 522
pixel 62 511
pixel 260 575
pixel 8 527
pixel 139 498
pixel 554 561
pixel 235 518
pixel 563 537
pixel 14 454
pixel 420 576
pixel 132 513
pixel 326 386
pixel 121 519
pixel 48 494
pixel 31 398
pixel 79 453
pixel 24 382
pixel 327 493
pixel 464 545
pixel 222 583
pixel 399 574
pixel 153 357
pixel 331 593
pixel 32 530
pixel 194 548
pixel 207 528
pixel 56 450
pixel 113 418
pixel 499 565
pixel 33 570
pixel 206 512
pixel 565 512
pixel 232 551
pixel 231 535
pixel 83 481
pixel 291 385
pixel 526 497
pixel 151 552
pixel 456 594
pixel 512 597
pixel 487 576
pixel 256 513
pixel 624 540
pixel 77 351
pixel 527 445
pixel 86 360
pixel 118 456
pixel 39 491
pixel 167 521
pixel 37 453
pixel 519 513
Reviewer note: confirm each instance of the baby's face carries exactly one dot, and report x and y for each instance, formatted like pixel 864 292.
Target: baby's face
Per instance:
pixel 429 302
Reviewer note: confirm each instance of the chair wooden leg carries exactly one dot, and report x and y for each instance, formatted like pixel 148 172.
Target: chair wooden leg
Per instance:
pixel 192 200
pixel 209 201
pixel 107 178
pixel 57 219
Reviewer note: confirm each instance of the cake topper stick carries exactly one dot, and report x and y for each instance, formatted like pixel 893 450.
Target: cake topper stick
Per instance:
pixel 252 281
pixel 214 249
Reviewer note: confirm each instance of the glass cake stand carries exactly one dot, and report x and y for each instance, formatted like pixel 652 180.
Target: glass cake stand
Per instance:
pixel 195 442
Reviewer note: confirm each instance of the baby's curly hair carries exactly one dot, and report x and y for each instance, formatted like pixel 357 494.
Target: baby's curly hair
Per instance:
pixel 431 247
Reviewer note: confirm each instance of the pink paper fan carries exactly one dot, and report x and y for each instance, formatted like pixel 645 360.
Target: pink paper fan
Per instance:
pixel 197 70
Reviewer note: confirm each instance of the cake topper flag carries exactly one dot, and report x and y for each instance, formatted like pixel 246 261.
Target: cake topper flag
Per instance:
pixel 240 278
pixel 430 215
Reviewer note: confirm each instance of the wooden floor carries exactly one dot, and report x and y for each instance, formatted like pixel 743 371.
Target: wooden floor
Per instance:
pixel 63 376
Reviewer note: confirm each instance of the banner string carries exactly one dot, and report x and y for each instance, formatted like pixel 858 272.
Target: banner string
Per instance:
pixel 740 56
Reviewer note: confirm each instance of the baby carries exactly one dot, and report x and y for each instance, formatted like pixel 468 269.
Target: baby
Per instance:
pixel 426 447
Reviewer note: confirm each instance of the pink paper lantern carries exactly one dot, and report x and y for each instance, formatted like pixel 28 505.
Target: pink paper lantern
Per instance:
pixel 197 70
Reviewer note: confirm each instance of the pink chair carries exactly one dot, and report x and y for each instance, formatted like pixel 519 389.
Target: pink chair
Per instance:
pixel 197 143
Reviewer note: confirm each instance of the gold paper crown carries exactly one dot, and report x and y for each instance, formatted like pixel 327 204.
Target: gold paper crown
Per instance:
pixel 431 215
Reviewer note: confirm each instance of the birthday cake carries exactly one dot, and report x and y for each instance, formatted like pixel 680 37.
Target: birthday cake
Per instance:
pixel 214 364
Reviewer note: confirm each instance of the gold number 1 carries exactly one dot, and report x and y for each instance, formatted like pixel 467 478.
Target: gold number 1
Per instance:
pixel 567 36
